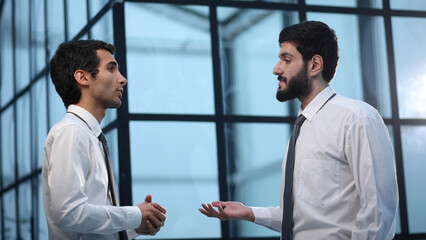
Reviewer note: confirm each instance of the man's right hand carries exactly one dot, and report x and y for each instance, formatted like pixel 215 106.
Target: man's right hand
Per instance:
pixel 227 211
pixel 153 217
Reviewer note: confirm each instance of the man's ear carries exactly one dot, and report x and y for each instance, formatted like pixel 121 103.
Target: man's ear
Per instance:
pixel 316 66
pixel 81 77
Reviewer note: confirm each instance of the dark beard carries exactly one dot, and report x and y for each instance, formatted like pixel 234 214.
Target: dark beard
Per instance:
pixel 298 86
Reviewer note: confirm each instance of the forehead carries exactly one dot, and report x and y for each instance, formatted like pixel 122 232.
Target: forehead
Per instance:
pixel 289 48
pixel 104 56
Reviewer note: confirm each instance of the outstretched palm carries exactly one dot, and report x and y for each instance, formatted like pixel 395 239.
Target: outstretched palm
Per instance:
pixel 227 211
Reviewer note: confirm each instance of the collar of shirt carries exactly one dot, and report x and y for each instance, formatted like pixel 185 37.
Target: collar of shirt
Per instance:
pixel 316 104
pixel 88 117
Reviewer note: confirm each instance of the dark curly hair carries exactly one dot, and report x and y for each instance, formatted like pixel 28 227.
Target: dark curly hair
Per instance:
pixel 69 57
pixel 311 38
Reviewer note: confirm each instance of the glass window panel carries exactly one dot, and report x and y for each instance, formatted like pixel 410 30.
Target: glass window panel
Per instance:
pixel 176 162
pixel 22 45
pixel 362 58
pixel 56 105
pixel 103 29
pixel 112 138
pixel 413 150
pixel 38 52
pixel 77 16
pixel 55 25
pixel 169 66
pixel 347 3
pixel 7 147
pixel 95 6
pixel 42 222
pixel 258 154
pixel 9 214
pixel 417 5
pixel 6 65
pixel 282 1
pixel 39 119
pixel 248 60
pixel 25 213
pixel 23 135
pixel 410 65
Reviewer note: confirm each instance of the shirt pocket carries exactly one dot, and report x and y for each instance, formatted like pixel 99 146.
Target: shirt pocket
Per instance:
pixel 317 181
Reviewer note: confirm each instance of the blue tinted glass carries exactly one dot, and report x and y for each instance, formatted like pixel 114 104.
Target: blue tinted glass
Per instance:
pixel 9 214
pixel 22 44
pixel 39 119
pixel 410 66
pixel 55 25
pixel 248 60
pixel 258 154
pixel 169 66
pixel 7 147
pixel 347 3
pixel 25 211
pixel 103 29
pixel 362 73
pixel 6 83
pixel 23 135
pixel 77 17
pixel 42 222
pixel 418 5
pixel 176 162
pixel 38 51
pixel 95 6
pixel 413 149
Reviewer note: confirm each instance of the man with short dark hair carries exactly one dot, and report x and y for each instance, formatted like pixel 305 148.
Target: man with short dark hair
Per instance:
pixel 79 195
pixel 339 179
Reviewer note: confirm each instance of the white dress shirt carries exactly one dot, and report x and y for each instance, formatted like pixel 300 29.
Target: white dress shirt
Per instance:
pixel 344 176
pixel 75 183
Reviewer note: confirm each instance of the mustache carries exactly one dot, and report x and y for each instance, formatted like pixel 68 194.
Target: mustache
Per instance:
pixel 280 78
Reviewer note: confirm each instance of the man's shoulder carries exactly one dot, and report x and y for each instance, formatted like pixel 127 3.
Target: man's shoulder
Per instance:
pixel 355 107
pixel 68 124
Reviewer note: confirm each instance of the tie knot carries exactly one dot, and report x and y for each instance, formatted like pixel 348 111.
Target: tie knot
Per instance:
pixel 102 138
pixel 300 119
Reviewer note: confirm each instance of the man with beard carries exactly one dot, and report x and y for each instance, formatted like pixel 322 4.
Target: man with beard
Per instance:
pixel 79 195
pixel 339 179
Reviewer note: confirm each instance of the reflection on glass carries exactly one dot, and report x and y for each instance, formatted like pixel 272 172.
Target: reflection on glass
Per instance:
pixel 23 135
pixel 38 52
pixel 55 25
pixel 25 215
pixel 417 5
pixel 413 147
pixel 95 6
pixel 39 119
pixel 168 59
pixel 347 3
pixel 176 162
pixel 9 214
pixel 258 151
pixel 8 147
pixel 6 86
pixel 362 73
pixel 22 47
pixel 103 29
pixel 410 65
pixel 77 17
pixel 248 60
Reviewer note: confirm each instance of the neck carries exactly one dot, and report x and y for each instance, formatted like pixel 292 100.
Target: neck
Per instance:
pixel 317 87
pixel 97 112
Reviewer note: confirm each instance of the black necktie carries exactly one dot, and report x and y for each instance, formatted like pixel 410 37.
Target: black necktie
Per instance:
pixel 286 226
pixel 111 182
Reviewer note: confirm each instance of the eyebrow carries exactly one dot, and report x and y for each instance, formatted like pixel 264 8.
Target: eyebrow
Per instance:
pixel 114 63
pixel 285 54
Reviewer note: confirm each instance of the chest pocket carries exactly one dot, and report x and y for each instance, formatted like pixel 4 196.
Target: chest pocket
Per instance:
pixel 317 181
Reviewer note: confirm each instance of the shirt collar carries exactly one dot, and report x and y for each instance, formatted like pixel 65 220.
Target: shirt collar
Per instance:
pixel 87 117
pixel 316 104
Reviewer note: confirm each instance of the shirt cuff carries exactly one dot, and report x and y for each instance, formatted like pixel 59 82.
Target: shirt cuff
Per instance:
pixel 262 216
pixel 131 234
pixel 133 217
